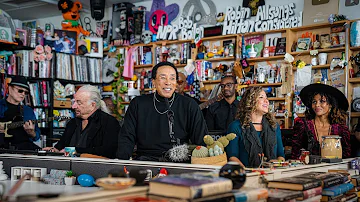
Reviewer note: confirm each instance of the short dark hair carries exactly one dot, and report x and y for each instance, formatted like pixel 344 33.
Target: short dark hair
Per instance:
pixel 156 67
pixel 229 76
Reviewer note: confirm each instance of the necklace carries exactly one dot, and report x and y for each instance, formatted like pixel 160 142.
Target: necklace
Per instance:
pixel 316 131
pixel 172 101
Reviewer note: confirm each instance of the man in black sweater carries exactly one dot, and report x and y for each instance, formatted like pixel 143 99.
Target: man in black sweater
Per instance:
pixel 93 131
pixel 156 122
pixel 222 113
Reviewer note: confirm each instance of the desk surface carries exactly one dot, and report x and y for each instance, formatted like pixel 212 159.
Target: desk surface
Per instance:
pixel 36 188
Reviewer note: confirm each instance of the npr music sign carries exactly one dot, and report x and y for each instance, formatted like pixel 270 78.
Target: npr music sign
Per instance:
pixel 237 21
pixel 186 27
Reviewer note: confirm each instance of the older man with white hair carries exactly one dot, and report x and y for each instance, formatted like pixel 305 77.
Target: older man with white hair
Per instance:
pixel 93 130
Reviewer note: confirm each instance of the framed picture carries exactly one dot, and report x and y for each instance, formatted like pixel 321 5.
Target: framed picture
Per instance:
pixel 94 47
pixel 22 36
pixel 65 41
pixel 303 44
pixel 5 34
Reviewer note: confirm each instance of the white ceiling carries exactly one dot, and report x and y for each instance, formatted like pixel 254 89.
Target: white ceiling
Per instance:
pixel 37 9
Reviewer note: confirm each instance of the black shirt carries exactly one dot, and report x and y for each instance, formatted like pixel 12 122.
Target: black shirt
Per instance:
pixel 79 137
pixel 220 114
pixel 149 130
pixel 19 134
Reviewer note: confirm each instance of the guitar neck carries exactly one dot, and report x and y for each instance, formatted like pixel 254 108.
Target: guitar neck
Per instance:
pixel 21 123
pixel 208 103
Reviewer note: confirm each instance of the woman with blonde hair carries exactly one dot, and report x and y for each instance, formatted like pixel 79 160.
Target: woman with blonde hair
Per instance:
pixel 258 136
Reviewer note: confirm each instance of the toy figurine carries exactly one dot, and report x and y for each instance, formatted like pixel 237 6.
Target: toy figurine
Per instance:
pixel 70 12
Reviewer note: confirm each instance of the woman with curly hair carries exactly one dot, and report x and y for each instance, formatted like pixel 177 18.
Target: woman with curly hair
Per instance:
pixel 257 133
pixel 325 115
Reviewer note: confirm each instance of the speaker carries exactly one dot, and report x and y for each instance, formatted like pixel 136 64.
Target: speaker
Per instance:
pixel 97 9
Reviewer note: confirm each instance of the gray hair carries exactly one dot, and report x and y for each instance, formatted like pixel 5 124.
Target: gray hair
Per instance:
pixel 94 94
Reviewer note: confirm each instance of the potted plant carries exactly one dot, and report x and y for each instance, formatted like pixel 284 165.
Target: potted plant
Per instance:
pixel 70 178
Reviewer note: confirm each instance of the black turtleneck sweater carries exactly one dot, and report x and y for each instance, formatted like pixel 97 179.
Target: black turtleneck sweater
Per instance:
pixel 149 130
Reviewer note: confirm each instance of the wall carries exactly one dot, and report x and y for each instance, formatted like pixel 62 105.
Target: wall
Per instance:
pixel 56 20
pixel 219 4
pixel 352 12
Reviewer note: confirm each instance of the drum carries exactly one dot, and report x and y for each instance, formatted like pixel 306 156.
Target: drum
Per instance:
pixel 331 147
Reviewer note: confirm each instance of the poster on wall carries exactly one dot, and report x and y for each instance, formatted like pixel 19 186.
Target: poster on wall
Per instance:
pixel 5 34
pixel 66 42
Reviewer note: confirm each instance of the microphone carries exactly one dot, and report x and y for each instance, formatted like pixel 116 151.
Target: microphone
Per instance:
pixel 169 113
pixel 167 103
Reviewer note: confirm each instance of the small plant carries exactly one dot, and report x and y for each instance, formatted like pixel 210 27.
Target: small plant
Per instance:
pixel 69 173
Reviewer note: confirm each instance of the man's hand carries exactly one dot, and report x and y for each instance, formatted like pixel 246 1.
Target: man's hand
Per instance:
pixel 51 149
pixel 29 128
pixel 2 128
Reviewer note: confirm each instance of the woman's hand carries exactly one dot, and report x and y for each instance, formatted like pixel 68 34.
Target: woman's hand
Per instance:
pixel 279 159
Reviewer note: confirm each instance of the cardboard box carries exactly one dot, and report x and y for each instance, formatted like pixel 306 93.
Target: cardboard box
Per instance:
pixel 62 103
pixel 318 11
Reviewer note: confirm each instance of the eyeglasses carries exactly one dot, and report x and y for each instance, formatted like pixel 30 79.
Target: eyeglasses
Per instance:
pixel 227 85
pixel 180 82
pixel 21 91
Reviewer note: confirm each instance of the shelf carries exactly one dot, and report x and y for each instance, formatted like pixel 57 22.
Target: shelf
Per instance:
pixel 265 32
pixel 166 42
pixel 355 114
pixel 357 48
pixel 327 50
pixel 276 98
pixel 259 59
pixel 60 108
pixel 77 82
pixel 149 89
pixel 180 65
pixel 326 66
pixel 143 66
pixel 13 46
pixel 317 26
pixel 219 37
pixel 211 82
pixel 266 84
pixel 354 80
pixel 217 59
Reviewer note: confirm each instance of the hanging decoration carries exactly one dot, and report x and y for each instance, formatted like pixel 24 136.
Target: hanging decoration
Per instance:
pixel 160 15
pixel 71 15
pixel 195 9
pixel 253 5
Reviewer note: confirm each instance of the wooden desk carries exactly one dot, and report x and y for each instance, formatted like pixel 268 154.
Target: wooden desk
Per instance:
pixel 99 167
pixel 36 188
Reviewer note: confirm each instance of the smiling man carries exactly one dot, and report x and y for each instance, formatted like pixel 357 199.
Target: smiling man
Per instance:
pixel 155 122
pixel 222 113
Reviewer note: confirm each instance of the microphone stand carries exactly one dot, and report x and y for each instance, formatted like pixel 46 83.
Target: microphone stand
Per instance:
pixel 170 115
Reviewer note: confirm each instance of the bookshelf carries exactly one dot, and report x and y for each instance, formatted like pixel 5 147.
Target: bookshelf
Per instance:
pixel 43 93
pixel 291 35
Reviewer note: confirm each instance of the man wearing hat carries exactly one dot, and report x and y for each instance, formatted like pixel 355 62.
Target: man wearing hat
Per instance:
pixel 222 113
pixel 325 115
pixel 22 138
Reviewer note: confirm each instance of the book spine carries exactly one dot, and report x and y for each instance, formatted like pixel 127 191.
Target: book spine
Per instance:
pixel 312 192
pixel 329 182
pixel 211 189
pixel 311 185
pixel 337 190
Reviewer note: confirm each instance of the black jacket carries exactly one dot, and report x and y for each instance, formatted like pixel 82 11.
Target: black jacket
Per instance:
pixel 102 138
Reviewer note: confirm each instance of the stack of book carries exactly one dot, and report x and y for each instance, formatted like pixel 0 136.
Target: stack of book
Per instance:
pixel 191 186
pixel 355 180
pixel 313 186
